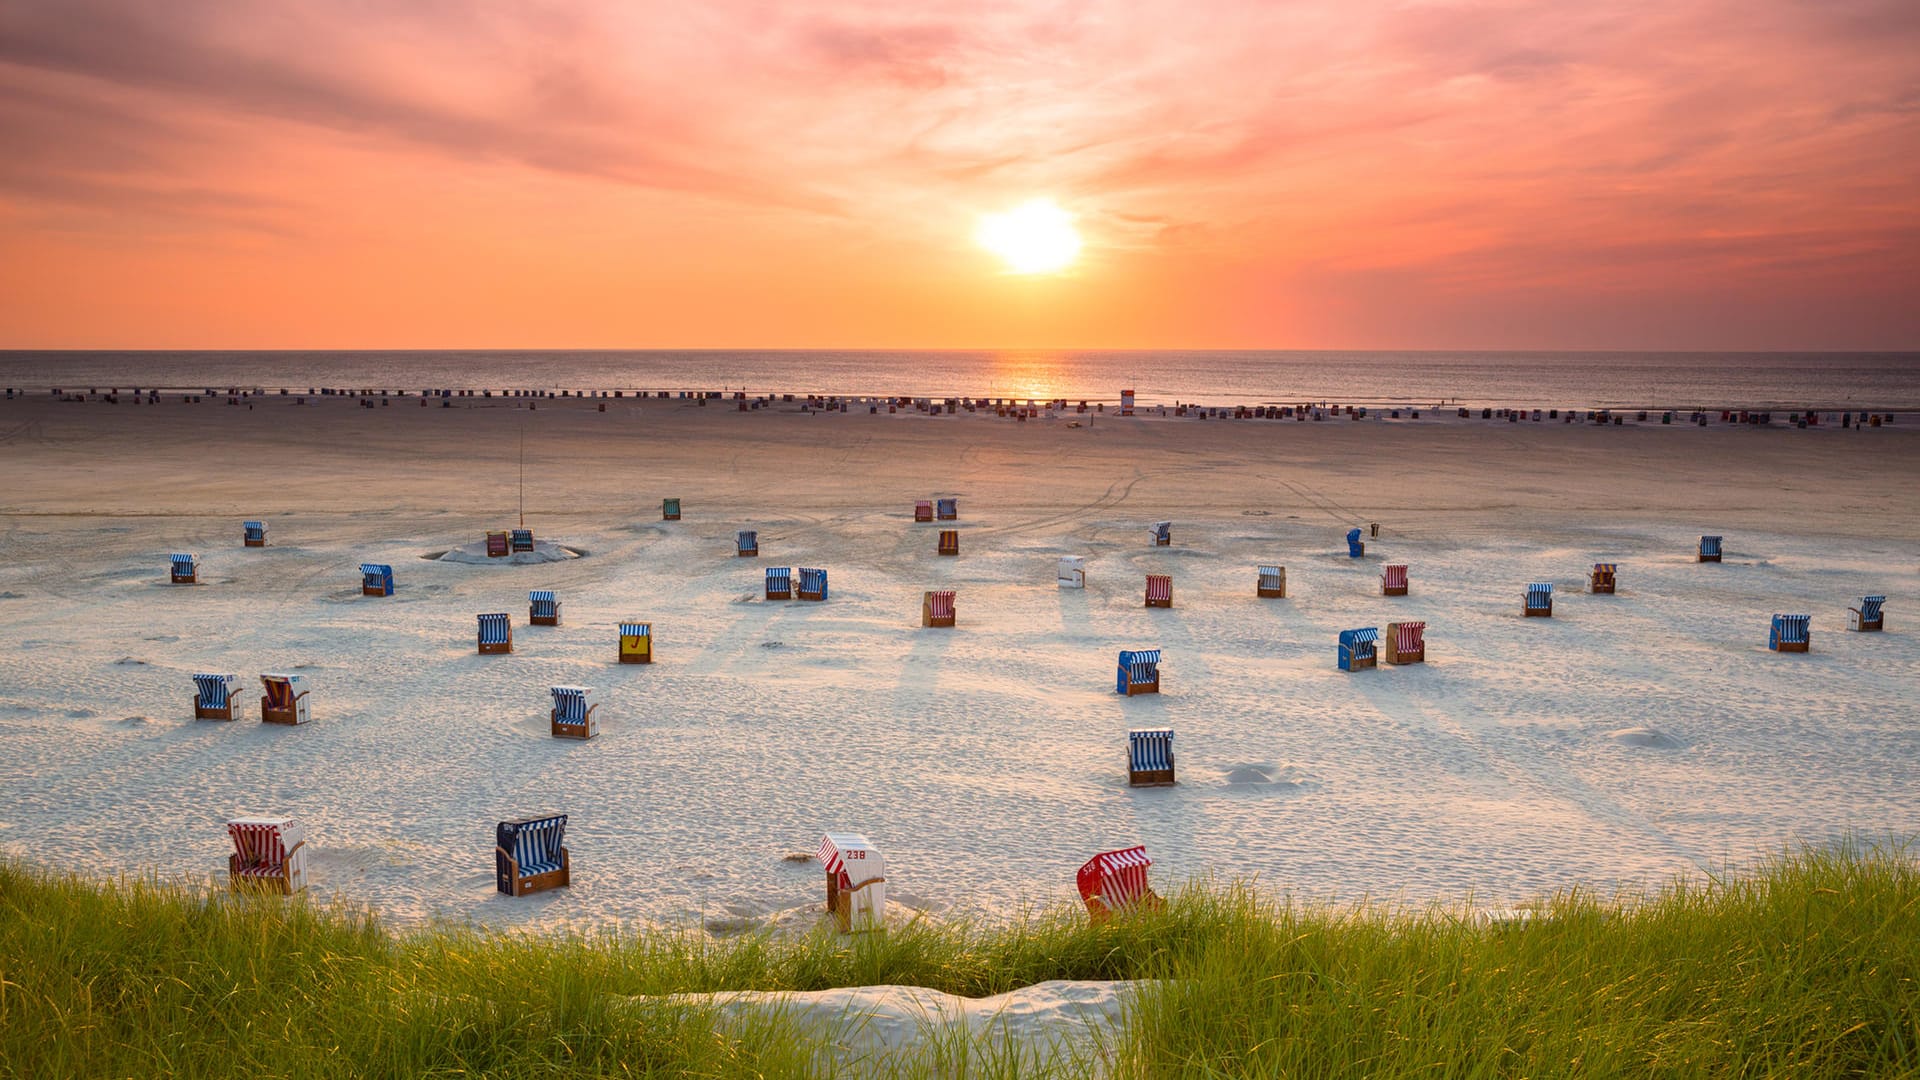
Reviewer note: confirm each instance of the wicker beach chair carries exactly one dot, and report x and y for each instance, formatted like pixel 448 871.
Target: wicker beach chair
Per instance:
pixel 936 608
pixel 376 579
pixel 1790 633
pixel 572 716
pixel 1393 580
pixel 496 633
pixel 1159 590
pixel 1150 757
pixel 1868 616
pixel 543 608
pixel 1406 643
pixel 213 696
pixel 183 569
pixel 856 881
pixel 1539 599
pixel 1272 583
pixel 530 855
pixel 1359 648
pixel 253 533
pixel 268 853
pixel 284 699
pixel 1139 672
pixel 1115 882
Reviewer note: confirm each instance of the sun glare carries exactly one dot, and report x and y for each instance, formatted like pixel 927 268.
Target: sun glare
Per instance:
pixel 1035 237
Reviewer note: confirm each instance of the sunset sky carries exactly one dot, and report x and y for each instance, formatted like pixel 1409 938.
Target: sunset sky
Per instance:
pixel 1737 174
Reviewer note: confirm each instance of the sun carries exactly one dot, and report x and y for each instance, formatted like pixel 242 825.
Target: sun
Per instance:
pixel 1035 237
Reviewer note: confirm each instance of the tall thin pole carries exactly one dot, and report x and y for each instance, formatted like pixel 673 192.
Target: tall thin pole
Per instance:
pixel 523 478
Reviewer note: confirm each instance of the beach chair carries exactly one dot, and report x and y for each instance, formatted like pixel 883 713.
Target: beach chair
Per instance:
pixel 284 699
pixel 1139 672
pixel 496 633
pixel 1603 578
pixel 923 510
pixel 213 696
pixel 1150 757
pixel 1126 403
pixel 949 541
pixel 1359 648
pixel 530 855
pixel 572 716
pixel 1162 533
pixel 669 509
pixel 1160 590
pixel 946 509
pixel 1355 548
pixel 936 608
pixel 1115 882
pixel 268 853
pixel 253 533
pixel 747 543
pixel 1868 615
pixel 1710 549
pixel 376 579
pixel 1072 572
pixel 813 584
pixel 185 569
pixel 498 545
pixel 543 608
pixel 523 539
pixel 856 881
pixel 1393 580
pixel 1406 643
pixel 636 643
pixel 1273 582
pixel 779 583
pixel 1540 599
pixel 1790 633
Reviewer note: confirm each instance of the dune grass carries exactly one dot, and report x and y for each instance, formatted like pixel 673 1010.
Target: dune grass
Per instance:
pixel 1806 967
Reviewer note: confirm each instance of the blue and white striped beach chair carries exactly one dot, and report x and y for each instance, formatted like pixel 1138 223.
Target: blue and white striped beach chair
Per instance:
pixel 746 542
pixel 530 855
pixel 185 569
pixel 1139 672
pixel 1868 615
pixel 813 584
pixel 253 533
pixel 1790 633
pixel 1150 757
pixel 521 540
pixel 779 583
pixel 1710 549
pixel 1162 533
pixel 1355 548
pixel 496 633
pixel 573 712
pixel 1540 599
pixel 1272 582
pixel 376 579
pixel 543 608
pixel 946 509
pixel 636 643
pixel 1359 648
pixel 213 696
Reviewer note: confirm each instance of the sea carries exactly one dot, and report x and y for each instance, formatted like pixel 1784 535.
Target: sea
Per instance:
pixel 1664 380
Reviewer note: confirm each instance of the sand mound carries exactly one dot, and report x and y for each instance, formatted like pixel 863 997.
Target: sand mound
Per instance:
pixel 544 551
pixel 1645 736
pixel 1249 774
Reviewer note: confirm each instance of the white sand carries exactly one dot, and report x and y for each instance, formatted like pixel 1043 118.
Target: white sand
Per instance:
pixel 1625 739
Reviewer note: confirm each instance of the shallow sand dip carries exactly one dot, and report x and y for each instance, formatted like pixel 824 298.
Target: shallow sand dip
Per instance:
pixel 1624 739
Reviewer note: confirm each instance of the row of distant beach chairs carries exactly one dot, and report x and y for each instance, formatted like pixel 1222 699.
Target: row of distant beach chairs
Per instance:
pixel 530 855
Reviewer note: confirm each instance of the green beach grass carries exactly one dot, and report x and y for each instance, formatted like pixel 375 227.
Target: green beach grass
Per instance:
pixel 1806 967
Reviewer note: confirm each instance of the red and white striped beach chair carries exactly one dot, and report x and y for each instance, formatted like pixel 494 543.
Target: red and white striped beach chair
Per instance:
pixel 923 510
pixel 1393 580
pixel 1406 643
pixel 1115 882
pixel 269 853
pixel 1160 590
pixel 936 608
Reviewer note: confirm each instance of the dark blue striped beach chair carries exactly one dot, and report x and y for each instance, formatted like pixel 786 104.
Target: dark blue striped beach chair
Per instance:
pixel 213 696
pixel 1359 648
pixel 1162 533
pixel 1139 672
pixel 376 579
pixel 779 583
pixel 1150 757
pixel 746 542
pixel 496 633
pixel 946 509
pixel 184 569
pixel 813 584
pixel 1790 633
pixel 573 712
pixel 1868 615
pixel 253 533
pixel 1355 548
pixel 669 509
pixel 1710 549
pixel 530 855
pixel 543 608
pixel 1272 582
pixel 1540 599
pixel 521 539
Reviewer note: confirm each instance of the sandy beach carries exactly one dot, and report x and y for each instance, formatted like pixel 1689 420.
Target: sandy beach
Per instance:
pixel 1625 739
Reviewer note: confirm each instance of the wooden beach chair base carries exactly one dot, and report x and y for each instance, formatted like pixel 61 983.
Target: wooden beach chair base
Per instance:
pixel 1150 777
pixel 254 543
pixel 208 712
pixel 779 594
pixel 533 883
pixel 810 594
pixel 1869 627
pixel 675 516
pixel 1098 911
pixel 1143 688
pixel 372 590
pixel 1791 646
pixel 1393 590
pixel 1600 588
pixel 543 620
pixel 1271 594
pixel 272 715
pixel 496 648
pixel 935 620
pixel 185 579
pixel 840 902
pixel 1543 612
pixel 280 882
pixel 1163 541
pixel 1709 558
pixel 748 553
pixel 640 656
pixel 1395 656
pixel 572 731
pixel 1363 663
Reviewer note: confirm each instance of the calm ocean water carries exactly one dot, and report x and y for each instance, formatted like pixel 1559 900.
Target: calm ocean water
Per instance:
pixel 1676 380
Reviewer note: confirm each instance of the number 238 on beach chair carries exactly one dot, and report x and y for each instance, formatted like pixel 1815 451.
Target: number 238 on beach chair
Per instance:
pixel 1868 615
pixel 1790 633
pixel 856 881
pixel 284 700
pixel 1115 882
pixel 1150 757
pixel 496 633
pixel 269 853
pixel 636 643
pixel 213 696
pixel 573 712
pixel 1139 672
pixel 543 607
pixel 185 569
pixel 529 855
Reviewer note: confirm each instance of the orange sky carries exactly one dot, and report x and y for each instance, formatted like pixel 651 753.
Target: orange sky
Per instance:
pixel 1732 174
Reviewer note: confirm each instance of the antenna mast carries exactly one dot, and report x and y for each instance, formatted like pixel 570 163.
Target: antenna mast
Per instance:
pixel 523 477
